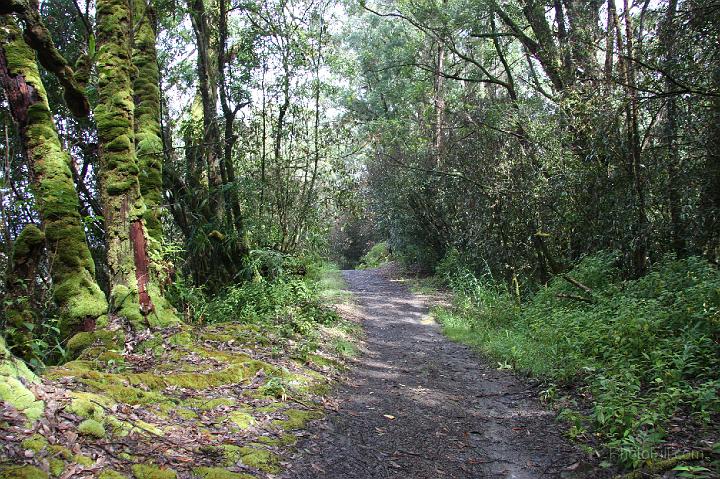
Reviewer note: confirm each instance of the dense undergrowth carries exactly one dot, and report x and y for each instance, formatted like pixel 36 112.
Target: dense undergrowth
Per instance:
pixel 643 355
pixel 376 256
pixel 219 397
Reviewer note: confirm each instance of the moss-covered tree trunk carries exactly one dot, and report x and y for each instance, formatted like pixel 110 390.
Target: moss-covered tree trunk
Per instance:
pixel 148 143
pixel 73 270
pixel 14 377
pixel 134 290
pixel 20 313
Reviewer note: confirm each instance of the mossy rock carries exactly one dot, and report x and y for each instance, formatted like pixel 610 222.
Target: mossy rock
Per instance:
pixel 260 458
pixel 148 471
pixel 35 443
pixel 22 472
pixel 91 427
pixel 110 474
pixel 296 419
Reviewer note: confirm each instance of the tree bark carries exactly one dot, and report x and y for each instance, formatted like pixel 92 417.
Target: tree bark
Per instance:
pixel 38 38
pixel 207 85
pixel 20 312
pixel 73 271
pixel 670 133
pixel 134 292
pixel 148 140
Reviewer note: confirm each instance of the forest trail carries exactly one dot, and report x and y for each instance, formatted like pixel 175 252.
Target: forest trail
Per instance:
pixel 416 405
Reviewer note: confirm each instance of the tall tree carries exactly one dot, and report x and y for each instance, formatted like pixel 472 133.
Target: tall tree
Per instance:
pixel 72 268
pixel 148 142
pixel 135 292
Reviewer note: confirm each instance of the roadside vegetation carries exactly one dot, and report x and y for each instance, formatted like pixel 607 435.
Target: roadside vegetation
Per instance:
pixel 377 255
pixel 220 397
pixel 633 366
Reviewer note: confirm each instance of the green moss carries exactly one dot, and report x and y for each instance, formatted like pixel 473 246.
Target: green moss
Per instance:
pixel 27 240
pixel 241 419
pixel 88 405
pixel 61 452
pixel 186 413
pixel 12 390
pixel 120 143
pixel 91 427
pixel 148 143
pixel 108 340
pixel 110 474
pixel 207 404
pixel 323 361
pixel 22 472
pixel 143 471
pixel 282 440
pixel 74 288
pixel 260 458
pixel 57 466
pixel 218 473
pixel 126 305
pixel 184 338
pixel 272 407
pixel 230 453
pixel 83 460
pixel 35 443
pixel 297 419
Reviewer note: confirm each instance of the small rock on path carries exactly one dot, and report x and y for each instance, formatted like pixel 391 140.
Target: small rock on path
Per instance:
pixel 416 405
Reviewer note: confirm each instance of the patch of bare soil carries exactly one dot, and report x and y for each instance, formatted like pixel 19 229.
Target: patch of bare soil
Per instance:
pixel 416 405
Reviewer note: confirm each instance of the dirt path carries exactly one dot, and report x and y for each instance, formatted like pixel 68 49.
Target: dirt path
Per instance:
pixel 418 406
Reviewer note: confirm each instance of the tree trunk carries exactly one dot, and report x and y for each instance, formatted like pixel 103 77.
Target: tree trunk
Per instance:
pixel 134 292
pixel 710 199
pixel 77 294
pixel 20 312
pixel 148 142
pixel 14 376
pixel 229 113
pixel 207 85
pixel 670 132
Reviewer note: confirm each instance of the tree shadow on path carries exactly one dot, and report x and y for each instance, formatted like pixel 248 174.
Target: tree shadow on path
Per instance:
pixel 416 405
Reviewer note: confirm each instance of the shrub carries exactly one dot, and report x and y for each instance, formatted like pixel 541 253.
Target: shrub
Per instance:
pixel 644 349
pixel 287 302
pixel 378 255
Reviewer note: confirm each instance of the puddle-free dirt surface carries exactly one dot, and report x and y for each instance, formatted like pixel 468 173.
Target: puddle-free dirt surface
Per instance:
pixel 416 405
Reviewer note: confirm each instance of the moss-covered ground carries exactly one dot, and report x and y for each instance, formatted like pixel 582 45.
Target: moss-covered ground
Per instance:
pixel 217 401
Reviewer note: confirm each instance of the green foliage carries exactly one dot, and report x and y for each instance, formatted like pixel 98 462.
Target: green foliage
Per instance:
pixel 286 304
pixel 643 349
pixel 378 255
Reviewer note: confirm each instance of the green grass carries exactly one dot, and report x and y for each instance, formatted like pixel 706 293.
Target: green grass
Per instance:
pixel 425 285
pixel 297 308
pixel 331 285
pixel 643 351
pixel 345 348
